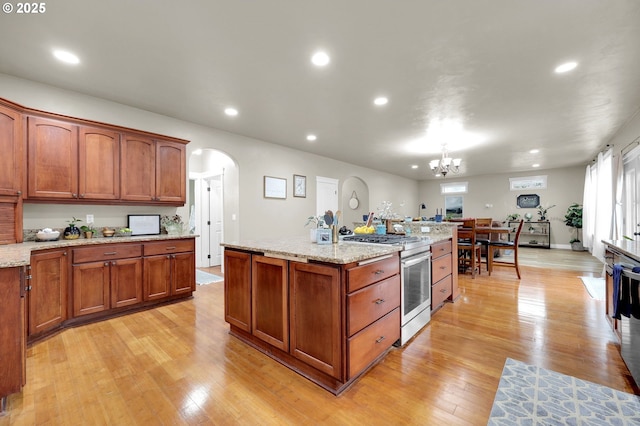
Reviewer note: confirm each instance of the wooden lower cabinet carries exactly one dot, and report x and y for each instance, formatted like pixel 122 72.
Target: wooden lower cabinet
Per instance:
pixel 48 289
pixel 297 313
pixel 169 268
pixel 12 330
pixel 269 301
pixel 444 276
pixel 314 299
pixel 237 289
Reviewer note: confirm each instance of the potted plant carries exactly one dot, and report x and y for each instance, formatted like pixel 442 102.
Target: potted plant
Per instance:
pixel 172 224
pixel 573 219
pixel 316 222
pixel 71 232
pixel 542 212
pixel 88 230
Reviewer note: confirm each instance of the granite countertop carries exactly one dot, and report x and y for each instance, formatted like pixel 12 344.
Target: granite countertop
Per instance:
pixel 630 248
pixel 302 249
pixel 12 255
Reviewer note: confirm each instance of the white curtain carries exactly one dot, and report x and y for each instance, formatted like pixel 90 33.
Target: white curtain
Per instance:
pixel 618 222
pixel 598 204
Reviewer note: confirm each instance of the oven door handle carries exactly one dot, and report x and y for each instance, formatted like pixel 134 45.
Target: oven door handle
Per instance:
pixel 411 262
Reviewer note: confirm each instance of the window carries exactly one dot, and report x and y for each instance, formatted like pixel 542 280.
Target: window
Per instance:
pixel 454 188
pixel 528 182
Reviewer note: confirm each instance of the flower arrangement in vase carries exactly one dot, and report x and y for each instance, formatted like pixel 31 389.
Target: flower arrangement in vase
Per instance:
pixel 172 224
pixel 72 232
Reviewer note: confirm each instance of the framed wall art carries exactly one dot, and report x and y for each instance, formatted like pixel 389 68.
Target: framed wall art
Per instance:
pixel 299 186
pixel 528 201
pixel 275 187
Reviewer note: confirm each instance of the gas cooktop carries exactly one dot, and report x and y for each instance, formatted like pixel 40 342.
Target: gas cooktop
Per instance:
pixel 406 241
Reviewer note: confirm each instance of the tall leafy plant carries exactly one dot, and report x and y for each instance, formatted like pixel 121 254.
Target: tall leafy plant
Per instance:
pixel 573 219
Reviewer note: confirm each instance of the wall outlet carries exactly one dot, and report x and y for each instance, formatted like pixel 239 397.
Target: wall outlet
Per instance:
pixel 425 229
pixel 89 218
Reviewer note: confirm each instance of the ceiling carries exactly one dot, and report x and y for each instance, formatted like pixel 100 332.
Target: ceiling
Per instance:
pixel 486 67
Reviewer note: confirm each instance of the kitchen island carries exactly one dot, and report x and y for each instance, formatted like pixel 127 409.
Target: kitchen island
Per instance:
pixel 329 312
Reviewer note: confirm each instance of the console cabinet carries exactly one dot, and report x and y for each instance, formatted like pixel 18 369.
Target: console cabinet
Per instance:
pixel 328 322
pixel 533 234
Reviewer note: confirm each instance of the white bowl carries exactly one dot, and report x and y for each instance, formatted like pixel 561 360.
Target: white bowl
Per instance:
pixel 47 236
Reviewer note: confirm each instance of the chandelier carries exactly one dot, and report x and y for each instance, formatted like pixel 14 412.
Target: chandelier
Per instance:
pixel 445 165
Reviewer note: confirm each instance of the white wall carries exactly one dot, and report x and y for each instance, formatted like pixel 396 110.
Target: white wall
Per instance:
pixel 256 216
pixel 564 187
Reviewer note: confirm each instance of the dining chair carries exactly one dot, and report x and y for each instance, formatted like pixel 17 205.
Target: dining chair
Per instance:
pixel 496 246
pixel 484 237
pixel 469 250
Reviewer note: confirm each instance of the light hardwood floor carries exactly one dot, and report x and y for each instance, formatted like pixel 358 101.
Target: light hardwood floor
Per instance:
pixel 177 364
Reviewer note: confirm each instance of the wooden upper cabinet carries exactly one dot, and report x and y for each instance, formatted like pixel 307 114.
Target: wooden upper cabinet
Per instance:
pixel 153 170
pixel 52 159
pixel 170 172
pixel 98 164
pixel 11 145
pixel 137 168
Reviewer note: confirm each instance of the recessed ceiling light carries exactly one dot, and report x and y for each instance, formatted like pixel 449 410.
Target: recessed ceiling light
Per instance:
pixel 311 138
pixel 534 151
pixel 320 59
pixel 380 101
pixel 414 166
pixel 66 57
pixel 535 165
pixel 232 112
pixel 566 67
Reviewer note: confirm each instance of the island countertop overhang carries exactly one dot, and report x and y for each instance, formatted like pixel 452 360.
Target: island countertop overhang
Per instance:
pixel 302 249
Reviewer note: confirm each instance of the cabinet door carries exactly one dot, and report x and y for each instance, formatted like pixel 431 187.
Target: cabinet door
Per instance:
pixel 48 295
pixel 170 172
pixel 90 288
pixel 11 331
pixel 183 273
pixel 269 297
pixel 237 289
pixel 98 164
pixel 52 159
pixel 10 219
pixel 157 277
pixel 126 282
pixel 137 168
pixel 11 145
pixel 316 335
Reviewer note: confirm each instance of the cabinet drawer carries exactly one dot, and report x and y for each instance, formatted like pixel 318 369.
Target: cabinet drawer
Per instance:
pixel 171 246
pixel 362 276
pixel 440 249
pixel 370 303
pixel 106 252
pixel 440 268
pixel 440 291
pixel 371 342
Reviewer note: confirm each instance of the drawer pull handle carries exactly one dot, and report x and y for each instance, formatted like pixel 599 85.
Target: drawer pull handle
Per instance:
pixel 171 248
pixel 380 339
pixel 379 301
pixel 110 253
pixel 379 271
pixel 443 267
pixel 444 290
pixel 106 263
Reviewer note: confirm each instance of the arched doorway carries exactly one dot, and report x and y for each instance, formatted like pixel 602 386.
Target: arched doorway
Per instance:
pixel 212 189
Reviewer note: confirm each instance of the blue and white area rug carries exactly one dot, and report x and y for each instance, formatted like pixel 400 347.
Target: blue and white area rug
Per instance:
pixel 530 395
pixel 206 278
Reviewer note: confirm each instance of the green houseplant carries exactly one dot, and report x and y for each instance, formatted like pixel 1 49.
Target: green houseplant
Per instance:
pixel 573 219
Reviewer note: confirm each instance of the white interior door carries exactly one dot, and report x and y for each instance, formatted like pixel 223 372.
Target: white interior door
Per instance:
pixel 631 198
pixel 215 219
pixel 326 195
